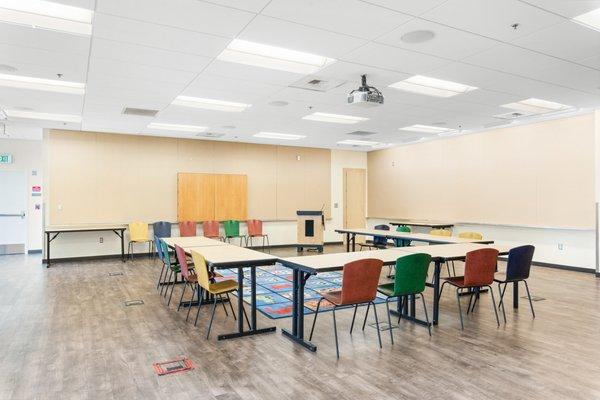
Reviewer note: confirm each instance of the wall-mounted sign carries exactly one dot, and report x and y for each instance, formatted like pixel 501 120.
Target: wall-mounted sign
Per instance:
pixel 6 158
pixel 36 188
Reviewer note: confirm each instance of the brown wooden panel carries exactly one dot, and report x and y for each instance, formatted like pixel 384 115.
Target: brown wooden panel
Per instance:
pixel 231 197
pixel 195 197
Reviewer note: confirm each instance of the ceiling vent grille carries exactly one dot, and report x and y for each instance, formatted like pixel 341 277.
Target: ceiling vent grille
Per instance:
pixel 511 115
pixel 210 135
pixel 140 112
pixel 362 133
pixel 317 84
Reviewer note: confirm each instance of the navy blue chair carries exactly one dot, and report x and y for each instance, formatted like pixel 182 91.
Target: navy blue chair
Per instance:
pixel 379 242
pixel 161 229
pixel 517 270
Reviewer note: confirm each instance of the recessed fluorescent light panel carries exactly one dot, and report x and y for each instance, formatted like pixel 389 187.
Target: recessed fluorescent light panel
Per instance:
pixel 590 19
pixel 43 116
pixel 334 118
pixel 351 142
pixel 47 15
pixel 265 56
pixel 426 129
pixel 537 106
pixel 210 104
pixel 177 127
pixel 274 135
pixel 431 86
pixel 47 85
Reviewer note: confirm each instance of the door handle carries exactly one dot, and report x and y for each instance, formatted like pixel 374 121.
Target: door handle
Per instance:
pixel 21 214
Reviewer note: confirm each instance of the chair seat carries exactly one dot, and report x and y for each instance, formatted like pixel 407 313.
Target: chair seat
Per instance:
pixel 334 297
pixel 223 286
pixel 258 235
pixel 139 240
pixel 501 278
pixel 387 289
pixel 459 281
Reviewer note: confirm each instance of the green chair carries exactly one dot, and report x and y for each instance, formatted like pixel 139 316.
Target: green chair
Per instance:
pixel 232 230
pixel 173 270
pixel 411 274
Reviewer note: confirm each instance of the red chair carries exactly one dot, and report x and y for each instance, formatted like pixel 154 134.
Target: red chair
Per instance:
pixel 211 229
pixel 480 267
pixel 359 286
pixel 255 229
pixel 187 228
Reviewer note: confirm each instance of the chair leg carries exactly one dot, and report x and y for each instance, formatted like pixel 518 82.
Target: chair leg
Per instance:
pixel 366 315
pixel 194 291
pixel 181 298
pixel 401 300
pixel 246 316
pixel 167 286
pixel 501 305
pixel 377 323
pixel 231 305
pixel 470 300
pixel 162 270
pixel 312 329
pixel 529 297
pixel 337 348
pixel 453 269
pixel 353 318
pixel 223 304
pixel 477 294
pixel 387 306
pixel 426 315
pixel 442 289
pixel 200 295
pixel 494 305
pixel 462 325
pixel 212 316
pixel 172 288
pixel 268 244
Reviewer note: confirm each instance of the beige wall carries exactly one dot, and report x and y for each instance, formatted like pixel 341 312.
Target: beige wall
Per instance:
pixel 27 156
pixel 111 178
pixel 537 175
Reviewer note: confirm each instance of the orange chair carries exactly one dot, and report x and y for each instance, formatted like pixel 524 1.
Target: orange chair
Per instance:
pixel 480 267
pixel 359 286
pixel 211 229
pixel 187 228
pixel 255 229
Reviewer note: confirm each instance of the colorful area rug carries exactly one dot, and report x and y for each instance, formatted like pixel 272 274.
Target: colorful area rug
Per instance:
pixel 274 290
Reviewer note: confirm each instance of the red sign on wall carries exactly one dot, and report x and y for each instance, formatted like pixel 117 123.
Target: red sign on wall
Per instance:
pixel 36 189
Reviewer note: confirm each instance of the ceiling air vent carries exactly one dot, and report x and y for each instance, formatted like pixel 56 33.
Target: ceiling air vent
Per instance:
pixel 317 84
pixel 210 135
pixel 361 133
pixel 140 112
pixel 511 115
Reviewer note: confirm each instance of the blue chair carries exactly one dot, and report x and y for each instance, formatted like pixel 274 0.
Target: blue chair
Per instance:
pixel 379 242
pixel 159 253
pixel 161 229
pixel 517 270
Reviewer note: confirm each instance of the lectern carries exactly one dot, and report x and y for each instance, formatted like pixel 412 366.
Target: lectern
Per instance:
pixel 310 230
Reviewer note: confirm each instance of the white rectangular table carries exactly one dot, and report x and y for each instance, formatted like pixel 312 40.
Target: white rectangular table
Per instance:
pixel 417 237
pixel 192 241
pixel 305 267
pixel 230 256
pixel 422 223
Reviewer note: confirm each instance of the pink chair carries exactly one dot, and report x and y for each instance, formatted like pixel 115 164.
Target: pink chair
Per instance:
pixel 255 229
pixel 187 228
pixel 211 229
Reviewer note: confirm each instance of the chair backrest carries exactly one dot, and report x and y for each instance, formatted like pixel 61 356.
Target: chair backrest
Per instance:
pixel 470 235
pixel 201 269
pixel 254 227
pixel 162 229
pixel 138 231
pixel 211 229
pixel 411 274
pixel 158 246
pixel 480 266
pixel 441 232
pixel 360 279
pixel 403 242
pixel 187 228
pixel 232 228
pixel 519 262
pixel 380 240
pixel 180 254
pixel 165 251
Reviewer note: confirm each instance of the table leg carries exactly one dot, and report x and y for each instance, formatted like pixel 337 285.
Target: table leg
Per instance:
pixel 297 333
pixel 47 249
pixel 252 299
pixel 123 245
pixel 347 242
pixel 515 294
pixel 354 242
pixel 436 292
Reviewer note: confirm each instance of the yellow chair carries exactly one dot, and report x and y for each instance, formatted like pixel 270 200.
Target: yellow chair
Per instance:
pixel 138 233
pixel 216 289
pixel 441 232
pixel 470 235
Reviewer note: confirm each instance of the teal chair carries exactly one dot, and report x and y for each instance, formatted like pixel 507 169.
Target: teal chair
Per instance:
pixel 232 230
pixel 411 274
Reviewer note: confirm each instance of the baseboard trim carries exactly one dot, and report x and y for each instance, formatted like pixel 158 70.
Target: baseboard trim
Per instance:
pixel 39 251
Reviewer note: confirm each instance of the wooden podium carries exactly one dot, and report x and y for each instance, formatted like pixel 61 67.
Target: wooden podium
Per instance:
pixel 310 230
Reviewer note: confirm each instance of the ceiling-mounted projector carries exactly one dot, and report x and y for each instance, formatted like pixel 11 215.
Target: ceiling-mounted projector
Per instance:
pixel 365 95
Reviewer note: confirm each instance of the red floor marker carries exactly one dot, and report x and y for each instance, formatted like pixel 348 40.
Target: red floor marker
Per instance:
pixel 170 367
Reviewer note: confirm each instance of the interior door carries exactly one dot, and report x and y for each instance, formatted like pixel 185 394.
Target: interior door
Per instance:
pixel 13 206
pixel 354 199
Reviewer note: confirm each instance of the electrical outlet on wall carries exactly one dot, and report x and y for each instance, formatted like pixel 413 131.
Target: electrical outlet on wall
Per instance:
pixel 561 246
pixel 101 239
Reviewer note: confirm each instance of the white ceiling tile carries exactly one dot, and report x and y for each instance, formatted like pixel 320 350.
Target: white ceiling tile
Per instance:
pixel 44 39
pixel 448 42
pixel 159 36
pixel 233 85
pixel 251 73
pixel 298 37
pixel 192 15
pixel 89 4
pixel 411 7
pixel 492 18
pixel 572 76
pixel 392 58
pixel 566 8
pixel 593 61
pixel 35 100
pixel 102 66
pixel 351 72
pixel 248 5
pixel 350 17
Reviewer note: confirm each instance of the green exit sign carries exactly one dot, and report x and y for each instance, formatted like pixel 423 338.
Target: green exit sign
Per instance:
pixel 6 159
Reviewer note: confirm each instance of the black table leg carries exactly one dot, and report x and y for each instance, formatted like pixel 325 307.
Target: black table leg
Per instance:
pixel 436 292
pixel 252 299
pixel 515 294
pixel 47 249
pixel 354 242
pixel 297 333
pixel 347 242
pixel 123 245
